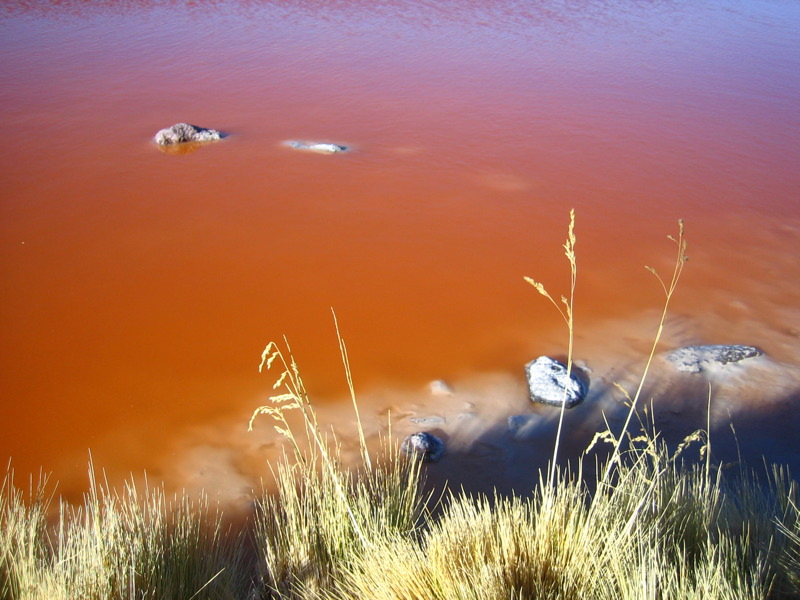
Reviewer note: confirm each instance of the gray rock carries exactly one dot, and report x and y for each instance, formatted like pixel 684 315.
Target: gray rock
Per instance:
pixel 429 421
pixel 423 445
pixel 694 359
pixel 318 147
pixel 548 383
pixel 184 132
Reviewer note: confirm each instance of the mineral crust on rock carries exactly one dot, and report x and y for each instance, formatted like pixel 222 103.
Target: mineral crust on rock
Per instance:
pixel 318 147
pixel 184 132
pixel 549 383
pixel 695 359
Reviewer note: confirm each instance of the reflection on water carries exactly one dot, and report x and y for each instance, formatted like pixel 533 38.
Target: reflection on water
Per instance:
pixel 139 289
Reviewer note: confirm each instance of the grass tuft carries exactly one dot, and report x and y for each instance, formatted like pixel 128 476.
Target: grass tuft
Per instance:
pixel 325 516
pixel 133 545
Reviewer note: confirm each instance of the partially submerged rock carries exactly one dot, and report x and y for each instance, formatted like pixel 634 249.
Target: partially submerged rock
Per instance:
pixel 432 421
pixel 549 383
pixel 440 387
pixel 318 147
pixel 181 133
pixel 423 445
pixel 694 359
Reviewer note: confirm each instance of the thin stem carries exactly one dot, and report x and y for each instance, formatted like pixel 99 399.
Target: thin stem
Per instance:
pixel 349 376
pixel 669 291
pixel 568 316
pixel 569 248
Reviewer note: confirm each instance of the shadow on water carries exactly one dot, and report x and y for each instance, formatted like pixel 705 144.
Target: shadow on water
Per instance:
pixel 747 410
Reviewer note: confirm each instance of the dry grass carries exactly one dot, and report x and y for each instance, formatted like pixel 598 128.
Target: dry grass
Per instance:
pixel 324 517
pixel 663 530
pixel 115 546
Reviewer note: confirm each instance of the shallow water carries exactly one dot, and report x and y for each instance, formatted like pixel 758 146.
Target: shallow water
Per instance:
pixel 139 287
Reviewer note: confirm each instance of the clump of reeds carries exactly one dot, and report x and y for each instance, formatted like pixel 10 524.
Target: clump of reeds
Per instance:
pixel 662 531
pixel 23 538
pixel 132 545
pixel 324 516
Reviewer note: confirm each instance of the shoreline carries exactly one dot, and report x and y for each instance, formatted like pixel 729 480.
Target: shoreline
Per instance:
pixel 222 459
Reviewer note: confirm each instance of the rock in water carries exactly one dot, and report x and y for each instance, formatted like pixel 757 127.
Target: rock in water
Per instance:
pixel 184 132
pixel 548 383
pixel 694 359
pixel 440 388
pixel 423 445
pixel 318 147
pixel 432 421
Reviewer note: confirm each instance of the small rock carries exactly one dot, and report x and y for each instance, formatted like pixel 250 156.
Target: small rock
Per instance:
pixel 318 147
pixel 428 421
pixel 694 359
pixel 184 132
pixel 423 445
pixel 548 383
pixel 440 388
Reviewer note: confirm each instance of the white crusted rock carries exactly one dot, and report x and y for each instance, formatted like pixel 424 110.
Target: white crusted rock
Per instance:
pixel 549 383
pixel 694 359
pixel 318 147
pixel 432 421
pixel 184 132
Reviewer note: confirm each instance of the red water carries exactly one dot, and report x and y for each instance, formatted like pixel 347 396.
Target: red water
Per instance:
pixel 139 287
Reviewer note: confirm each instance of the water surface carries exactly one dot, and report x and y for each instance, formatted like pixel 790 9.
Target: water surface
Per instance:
pixel 139 287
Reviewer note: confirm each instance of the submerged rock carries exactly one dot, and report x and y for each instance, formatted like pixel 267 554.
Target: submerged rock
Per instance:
pixel 433 421
pixel 440 387
pixel 523 426
pixel 423 445
pixel 549 383
pixel 694 359
pixel 318 147
pixel 184 132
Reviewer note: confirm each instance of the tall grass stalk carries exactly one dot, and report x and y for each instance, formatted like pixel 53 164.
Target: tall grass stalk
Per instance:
pixel 669 290
pixel 567 313
pixel 351 388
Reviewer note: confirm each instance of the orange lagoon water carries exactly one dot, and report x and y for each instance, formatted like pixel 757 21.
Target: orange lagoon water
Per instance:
pixel 138 287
